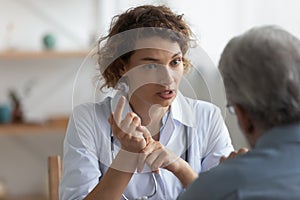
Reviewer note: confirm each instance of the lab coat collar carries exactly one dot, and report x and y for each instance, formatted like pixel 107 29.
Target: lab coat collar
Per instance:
pixel 180 109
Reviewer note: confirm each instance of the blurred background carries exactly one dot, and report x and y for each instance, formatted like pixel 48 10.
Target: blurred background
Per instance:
pixel 46 68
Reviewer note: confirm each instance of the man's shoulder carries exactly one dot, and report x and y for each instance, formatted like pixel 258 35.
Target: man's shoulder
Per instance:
pixel 216 183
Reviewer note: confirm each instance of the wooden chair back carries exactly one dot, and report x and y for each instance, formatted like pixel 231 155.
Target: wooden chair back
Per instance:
pixel 54 174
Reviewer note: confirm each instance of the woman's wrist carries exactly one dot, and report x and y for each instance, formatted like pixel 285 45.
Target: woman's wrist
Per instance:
pixel 125 161
pixel 177 166
pixel 182 170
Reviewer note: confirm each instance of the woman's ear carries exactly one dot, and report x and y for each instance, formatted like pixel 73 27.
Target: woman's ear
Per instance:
pixel 123 68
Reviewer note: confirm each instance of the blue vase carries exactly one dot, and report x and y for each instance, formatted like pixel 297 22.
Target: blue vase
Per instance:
pixel 5 114
pixel 49 41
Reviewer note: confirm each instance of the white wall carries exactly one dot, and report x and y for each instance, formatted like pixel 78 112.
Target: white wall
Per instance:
pixel 74 23
pixel 71 21
pixel 23 159
pixel 216 21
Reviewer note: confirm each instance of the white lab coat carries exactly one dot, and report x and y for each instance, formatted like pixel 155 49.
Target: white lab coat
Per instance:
pixel 87 147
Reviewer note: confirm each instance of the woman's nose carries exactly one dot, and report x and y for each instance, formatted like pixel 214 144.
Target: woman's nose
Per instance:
pixel 166 76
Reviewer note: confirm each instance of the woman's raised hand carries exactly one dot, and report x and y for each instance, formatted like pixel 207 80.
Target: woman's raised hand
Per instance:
pixel 136 138
pixel 125 130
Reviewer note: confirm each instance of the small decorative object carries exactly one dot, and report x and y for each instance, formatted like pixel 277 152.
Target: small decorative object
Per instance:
pixel 17 112
pixel 49 41
pixel 5 114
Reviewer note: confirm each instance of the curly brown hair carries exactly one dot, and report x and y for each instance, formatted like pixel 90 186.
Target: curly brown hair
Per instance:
pixel 158 21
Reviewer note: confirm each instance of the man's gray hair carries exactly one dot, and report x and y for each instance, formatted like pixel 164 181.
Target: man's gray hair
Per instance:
pixel 261 73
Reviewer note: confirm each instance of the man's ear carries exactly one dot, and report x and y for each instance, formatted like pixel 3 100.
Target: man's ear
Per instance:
pixel 244 119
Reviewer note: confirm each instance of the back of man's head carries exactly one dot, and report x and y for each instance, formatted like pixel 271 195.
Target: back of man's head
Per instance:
pixel 261 73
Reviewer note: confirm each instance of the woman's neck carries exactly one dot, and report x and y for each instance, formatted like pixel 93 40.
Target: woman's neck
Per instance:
pixel 151 117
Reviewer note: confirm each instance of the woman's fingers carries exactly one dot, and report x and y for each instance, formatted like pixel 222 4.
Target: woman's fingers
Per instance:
pixel 161 158
pixel 234 154
pixel 114 127
pixel 145 132
pixel 149 149
pixel 130 123
pixel 222 159
pixel 156 159
pixel 242 151
pixel 131 140
pixel 119 110
pixel 143 155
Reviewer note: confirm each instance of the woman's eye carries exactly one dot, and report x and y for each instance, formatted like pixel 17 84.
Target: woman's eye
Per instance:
pixel 150 66
pixel 176 61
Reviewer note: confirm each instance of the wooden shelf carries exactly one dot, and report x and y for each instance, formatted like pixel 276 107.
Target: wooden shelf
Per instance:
pixel 42 54
pixel 21 129
pixel 36 197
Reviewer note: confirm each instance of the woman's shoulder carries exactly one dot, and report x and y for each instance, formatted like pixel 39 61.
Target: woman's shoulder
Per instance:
pixel 91 107
pixel 201 105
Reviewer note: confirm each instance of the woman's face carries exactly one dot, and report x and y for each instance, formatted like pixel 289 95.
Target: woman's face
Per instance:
pixel 154 72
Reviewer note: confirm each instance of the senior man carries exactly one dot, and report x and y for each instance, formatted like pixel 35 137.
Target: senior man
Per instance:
pixel 261 74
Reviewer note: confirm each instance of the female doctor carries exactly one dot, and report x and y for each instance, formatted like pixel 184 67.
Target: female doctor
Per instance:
pixel 148 141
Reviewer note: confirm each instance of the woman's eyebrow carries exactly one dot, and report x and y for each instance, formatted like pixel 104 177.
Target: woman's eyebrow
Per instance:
pixel 150 59
pixel 156 59
pixel 176 54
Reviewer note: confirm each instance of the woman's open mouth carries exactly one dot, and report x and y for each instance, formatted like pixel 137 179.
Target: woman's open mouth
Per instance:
pixel 167 94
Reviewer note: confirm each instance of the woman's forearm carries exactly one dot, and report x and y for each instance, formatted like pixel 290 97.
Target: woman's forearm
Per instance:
pixel 115 180
pixel 182 170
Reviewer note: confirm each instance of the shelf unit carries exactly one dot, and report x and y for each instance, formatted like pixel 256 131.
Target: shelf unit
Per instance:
pixel 42 54
pixel 27 198
pixel 22 129
pixel 52 126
